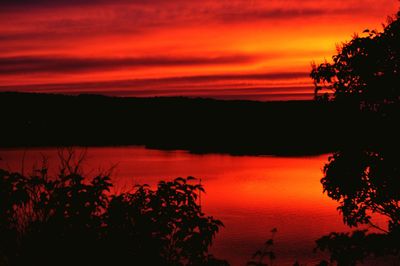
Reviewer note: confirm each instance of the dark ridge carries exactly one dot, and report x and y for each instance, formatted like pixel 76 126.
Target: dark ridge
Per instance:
pixel 198 125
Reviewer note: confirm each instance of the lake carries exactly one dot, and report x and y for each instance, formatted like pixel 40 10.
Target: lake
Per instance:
pixel 250 194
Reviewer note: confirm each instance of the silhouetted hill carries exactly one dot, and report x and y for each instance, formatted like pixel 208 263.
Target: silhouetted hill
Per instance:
pixel 198 125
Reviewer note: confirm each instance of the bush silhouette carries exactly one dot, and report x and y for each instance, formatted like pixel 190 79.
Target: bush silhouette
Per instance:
pixel 266 253
pixel 71 220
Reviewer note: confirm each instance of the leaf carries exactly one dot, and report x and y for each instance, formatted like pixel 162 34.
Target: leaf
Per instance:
pixel 256 254
pixel 181 179
pixel 272 255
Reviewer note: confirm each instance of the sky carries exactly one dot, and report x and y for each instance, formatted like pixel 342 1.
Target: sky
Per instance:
pixel 236 49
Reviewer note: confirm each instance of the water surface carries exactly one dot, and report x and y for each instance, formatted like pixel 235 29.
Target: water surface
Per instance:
pixel 250 194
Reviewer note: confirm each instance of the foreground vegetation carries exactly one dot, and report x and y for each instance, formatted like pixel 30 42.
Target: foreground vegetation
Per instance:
pixel 364 177
pixel 70 219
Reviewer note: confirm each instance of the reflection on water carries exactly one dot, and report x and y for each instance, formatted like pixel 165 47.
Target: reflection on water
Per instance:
pixel 249 194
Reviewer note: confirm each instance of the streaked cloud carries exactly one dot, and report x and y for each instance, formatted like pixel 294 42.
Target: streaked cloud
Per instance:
pixel 235 48
pixel 227 86
pixel 57 64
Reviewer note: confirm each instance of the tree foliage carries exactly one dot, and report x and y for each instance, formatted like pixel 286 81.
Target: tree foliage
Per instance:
pixel 364 70
pixel 366 184
pixel 73 220
pixel 364 175
pixel 265 256
pixel 359 246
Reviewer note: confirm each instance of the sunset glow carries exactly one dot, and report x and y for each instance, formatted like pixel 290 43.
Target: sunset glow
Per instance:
pixel 259 50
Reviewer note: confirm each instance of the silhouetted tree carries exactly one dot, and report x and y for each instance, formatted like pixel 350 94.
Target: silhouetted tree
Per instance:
pixel 364 175
pixel 367 186
pixel 364 181
pixel 365 70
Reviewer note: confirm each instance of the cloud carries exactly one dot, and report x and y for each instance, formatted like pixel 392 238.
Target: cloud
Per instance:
pixel 57 64
pixel 110 89
pixel 158 13
pixel 282 14
pixel 48 42
pixel 175 84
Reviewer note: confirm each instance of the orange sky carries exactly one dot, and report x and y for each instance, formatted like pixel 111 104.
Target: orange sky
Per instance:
pixel 259 50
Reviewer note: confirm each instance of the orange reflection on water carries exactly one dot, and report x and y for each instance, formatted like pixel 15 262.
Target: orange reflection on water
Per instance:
pixel 250 194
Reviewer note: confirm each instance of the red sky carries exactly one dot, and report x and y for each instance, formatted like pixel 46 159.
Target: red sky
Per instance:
pixel 259 50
